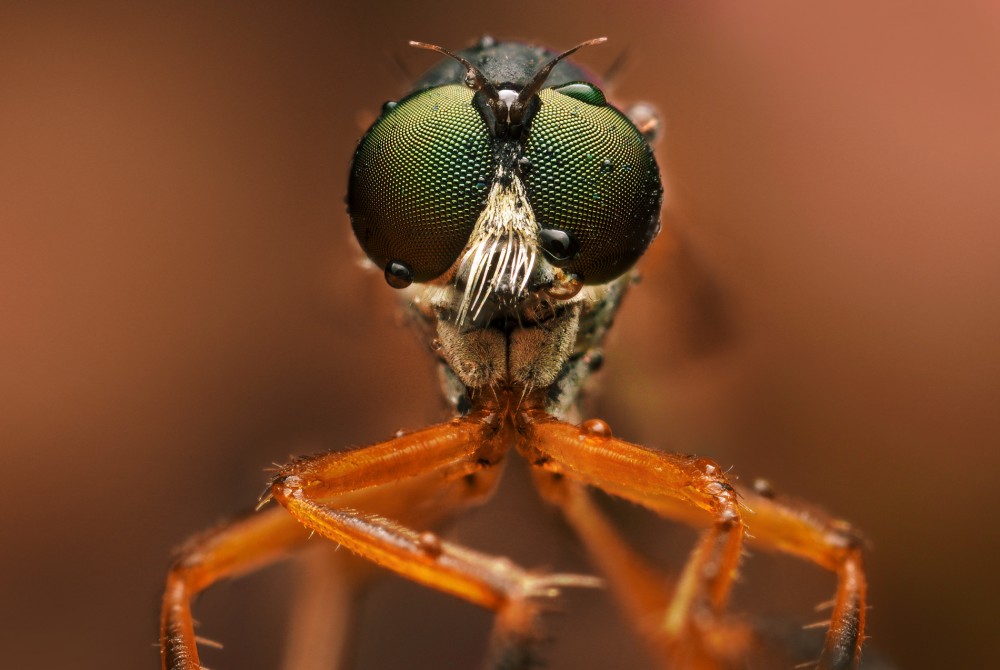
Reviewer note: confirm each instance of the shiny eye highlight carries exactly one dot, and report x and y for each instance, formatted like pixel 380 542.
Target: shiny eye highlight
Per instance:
pixel 418 181
pixel 593 181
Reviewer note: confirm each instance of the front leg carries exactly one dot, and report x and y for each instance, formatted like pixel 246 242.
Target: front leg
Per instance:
pixel 421 477
pixel 465 449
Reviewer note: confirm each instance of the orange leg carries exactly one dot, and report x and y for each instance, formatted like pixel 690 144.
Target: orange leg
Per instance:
pixel 322 622
pixel 331 582
pixel 419 477
pixel 337 578
pixel 796 528
pixel 663 483
pixel 642 592
pixel 463 449
pixel 258 539
pixel 227 551
pixel 594 458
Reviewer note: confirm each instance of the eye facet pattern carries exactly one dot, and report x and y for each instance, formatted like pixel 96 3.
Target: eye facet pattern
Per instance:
pixel 418 181
pixel 593 177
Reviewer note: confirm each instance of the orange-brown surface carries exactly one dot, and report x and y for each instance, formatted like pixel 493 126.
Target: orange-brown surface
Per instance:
pixel 181 305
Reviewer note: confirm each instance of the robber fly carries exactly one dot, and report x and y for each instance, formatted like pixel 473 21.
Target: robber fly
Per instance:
pixel 507 201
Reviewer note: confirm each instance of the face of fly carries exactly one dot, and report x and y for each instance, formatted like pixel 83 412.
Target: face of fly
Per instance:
pixel 513 209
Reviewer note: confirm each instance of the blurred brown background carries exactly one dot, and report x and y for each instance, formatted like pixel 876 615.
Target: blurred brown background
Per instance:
pixel 181 304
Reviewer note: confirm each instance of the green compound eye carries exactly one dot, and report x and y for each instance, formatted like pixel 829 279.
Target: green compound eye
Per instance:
pixel 418 181
pixel 593 177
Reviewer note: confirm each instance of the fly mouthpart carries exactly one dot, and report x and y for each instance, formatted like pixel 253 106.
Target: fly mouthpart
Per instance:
pixel 501 256
pixel 497 272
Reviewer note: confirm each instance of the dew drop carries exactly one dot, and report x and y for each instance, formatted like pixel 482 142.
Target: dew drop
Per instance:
pixel 584 92
pixel 596 427
pixel 398 274
pixel 557 244
pixel 430 544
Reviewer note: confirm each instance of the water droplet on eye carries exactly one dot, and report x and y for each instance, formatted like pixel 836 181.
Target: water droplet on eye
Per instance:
pixel 388 106
pixel 557 244
pixel 607 166
pixel 596 427
pixel 398 274
pixel 584 92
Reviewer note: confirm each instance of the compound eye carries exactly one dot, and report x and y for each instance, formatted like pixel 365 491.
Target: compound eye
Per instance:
pixel 593 184
pixel 418 181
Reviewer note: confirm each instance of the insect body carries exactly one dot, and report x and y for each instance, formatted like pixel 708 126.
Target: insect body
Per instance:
pixel 508 201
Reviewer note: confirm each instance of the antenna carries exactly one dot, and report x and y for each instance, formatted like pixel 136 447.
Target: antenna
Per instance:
pixel 536 83
pixel 473 77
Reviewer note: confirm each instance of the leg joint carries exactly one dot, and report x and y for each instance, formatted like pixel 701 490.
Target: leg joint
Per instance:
pixel 285 486
pixel 845 536
pixel 725 503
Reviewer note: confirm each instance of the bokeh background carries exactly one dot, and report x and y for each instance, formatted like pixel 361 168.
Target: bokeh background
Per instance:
pixel 181 304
